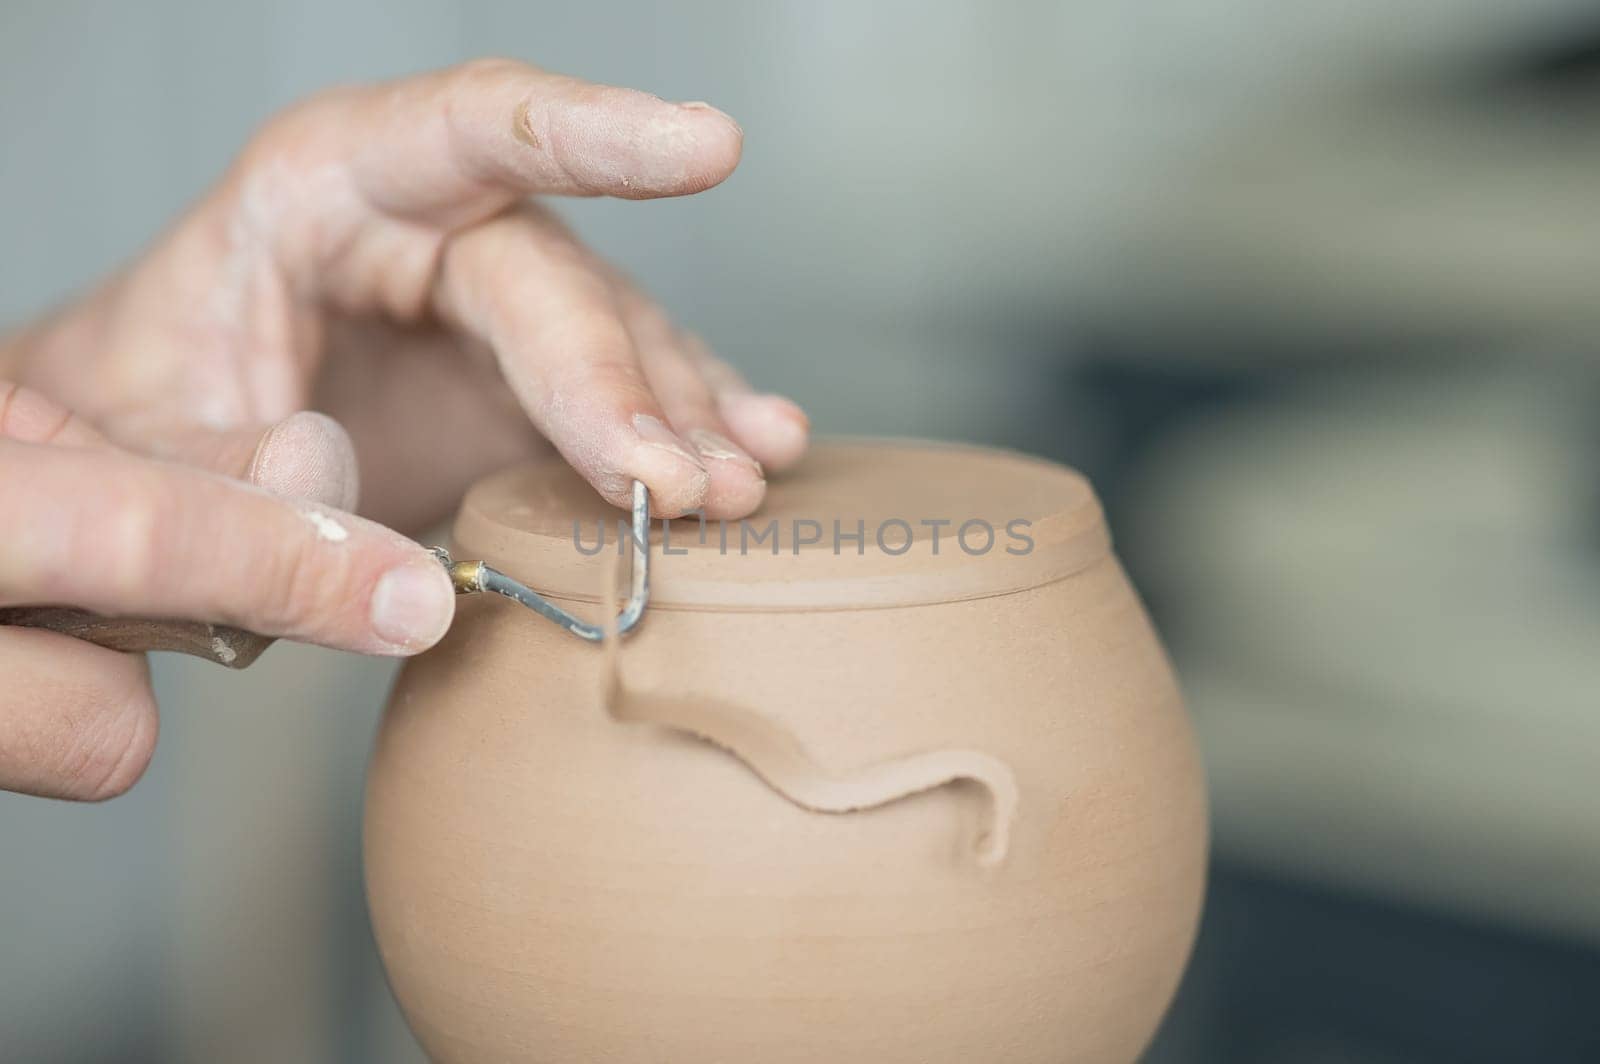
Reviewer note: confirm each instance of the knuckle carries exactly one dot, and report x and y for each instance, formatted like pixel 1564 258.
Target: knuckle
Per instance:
pixel 649 319
pixel 303 588
pixel 293 121
pixel 489 68
pixel 126 535
pixel 291 141
pixel 720 375
pixel 694 345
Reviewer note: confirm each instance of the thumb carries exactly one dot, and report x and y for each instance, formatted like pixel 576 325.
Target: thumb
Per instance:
pixel 306 455
pixel 108 531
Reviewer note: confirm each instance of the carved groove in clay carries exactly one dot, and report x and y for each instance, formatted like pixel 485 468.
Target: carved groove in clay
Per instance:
pixel 779 759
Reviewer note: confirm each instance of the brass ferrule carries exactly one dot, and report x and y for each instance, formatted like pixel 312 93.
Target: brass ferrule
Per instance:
pixel 466 577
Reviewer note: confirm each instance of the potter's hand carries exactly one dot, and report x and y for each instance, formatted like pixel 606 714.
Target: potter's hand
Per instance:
pixel 87 524
pixel 373 254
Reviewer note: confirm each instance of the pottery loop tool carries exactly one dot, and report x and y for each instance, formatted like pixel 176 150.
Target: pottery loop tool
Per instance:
pixel 475 576
pixel 237 648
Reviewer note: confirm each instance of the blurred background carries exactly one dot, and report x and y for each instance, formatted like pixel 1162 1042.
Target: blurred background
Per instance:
pixel 1311 291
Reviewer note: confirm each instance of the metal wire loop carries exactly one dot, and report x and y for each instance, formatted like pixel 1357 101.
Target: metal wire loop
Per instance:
pixel 470 577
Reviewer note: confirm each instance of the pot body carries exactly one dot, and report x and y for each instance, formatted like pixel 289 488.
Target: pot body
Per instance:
pixel 549 883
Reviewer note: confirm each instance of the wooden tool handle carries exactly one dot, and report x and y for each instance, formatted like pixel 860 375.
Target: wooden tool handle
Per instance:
pixel 232 647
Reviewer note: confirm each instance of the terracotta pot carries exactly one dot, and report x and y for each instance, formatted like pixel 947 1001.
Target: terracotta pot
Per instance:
pixel 950 809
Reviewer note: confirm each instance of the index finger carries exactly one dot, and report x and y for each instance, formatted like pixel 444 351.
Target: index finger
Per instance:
pixel 490 132
pixel 126 536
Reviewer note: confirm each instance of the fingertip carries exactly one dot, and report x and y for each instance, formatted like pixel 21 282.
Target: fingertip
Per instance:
pixel 738 483
pixel 632 145
pixel 678 481
pixel 700 106
pixel 719 141
pixel 412 606
pixel 308 455
pixel 676 487
pixel 732 497
pixel 772 428
pixel 130 752
pixel 77 721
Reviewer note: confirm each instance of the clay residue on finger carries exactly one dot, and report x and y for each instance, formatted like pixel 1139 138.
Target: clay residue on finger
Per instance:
pixel 522 124
pixel 327 528
pixel 782 762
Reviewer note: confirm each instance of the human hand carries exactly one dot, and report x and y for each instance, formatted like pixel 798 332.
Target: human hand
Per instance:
pixel 371 255
pixel 87 523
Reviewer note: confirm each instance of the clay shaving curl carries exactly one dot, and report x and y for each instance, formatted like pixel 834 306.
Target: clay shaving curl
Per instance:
pixel 779 759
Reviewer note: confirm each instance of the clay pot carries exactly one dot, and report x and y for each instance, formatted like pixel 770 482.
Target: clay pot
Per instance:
pixel 894 805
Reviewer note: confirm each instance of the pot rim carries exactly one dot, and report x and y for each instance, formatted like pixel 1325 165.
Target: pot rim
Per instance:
pixel 1044 524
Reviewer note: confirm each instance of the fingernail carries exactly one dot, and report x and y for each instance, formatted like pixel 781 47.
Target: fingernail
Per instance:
pixel 701 105
pixel 714 446
pixel 654 431
pixel 413 605
pixel 678 479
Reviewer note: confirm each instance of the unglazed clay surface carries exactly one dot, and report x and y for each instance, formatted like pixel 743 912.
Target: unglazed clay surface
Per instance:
pixel 775 755
pixel 880 807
